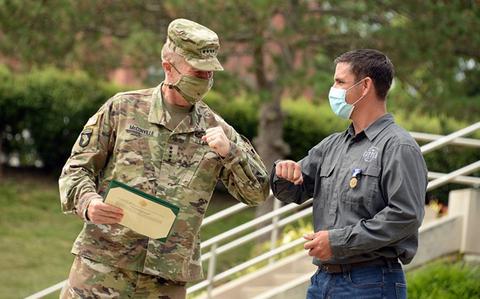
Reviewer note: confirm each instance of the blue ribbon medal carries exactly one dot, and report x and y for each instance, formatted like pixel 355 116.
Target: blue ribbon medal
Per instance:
pixel 354 180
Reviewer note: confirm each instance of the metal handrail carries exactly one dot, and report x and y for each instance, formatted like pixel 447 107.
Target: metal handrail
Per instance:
pixel 253 223
pixel 449 138
pixel 253 235
pixel 461 179
pixel 439 179
pixel 449 177
pixel 468 142
pixel 246 264
pixel 225 213
pixel 47 291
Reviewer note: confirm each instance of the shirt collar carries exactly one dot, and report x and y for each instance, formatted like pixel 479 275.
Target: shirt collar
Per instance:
pixel 195 121
pixel 374 129
pixel 378 126
pixel 350 132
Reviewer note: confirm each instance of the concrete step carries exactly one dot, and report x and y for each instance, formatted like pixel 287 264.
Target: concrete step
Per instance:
pixel 281 278
pixel 251 292
pixel 262 281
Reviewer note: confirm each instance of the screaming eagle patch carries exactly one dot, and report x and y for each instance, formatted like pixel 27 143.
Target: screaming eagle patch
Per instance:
pixel 85 137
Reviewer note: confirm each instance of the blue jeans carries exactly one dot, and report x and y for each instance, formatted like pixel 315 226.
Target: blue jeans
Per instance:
pixel 370 282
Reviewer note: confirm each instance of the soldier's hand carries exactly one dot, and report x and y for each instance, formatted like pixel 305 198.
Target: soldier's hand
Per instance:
pixel 217 140
pixel 290 171
pixel 101 213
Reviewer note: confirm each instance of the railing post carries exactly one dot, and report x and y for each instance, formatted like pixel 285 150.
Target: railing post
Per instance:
pixel 466 202
pixel 211 269
pixel 274 234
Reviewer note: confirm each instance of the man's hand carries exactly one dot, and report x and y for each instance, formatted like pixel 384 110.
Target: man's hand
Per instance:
pixel 101 213
pixel 318 245
pixel 290 171
pixel 217 140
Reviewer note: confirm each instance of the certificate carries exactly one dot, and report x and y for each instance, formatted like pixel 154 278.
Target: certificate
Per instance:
pixel 142 212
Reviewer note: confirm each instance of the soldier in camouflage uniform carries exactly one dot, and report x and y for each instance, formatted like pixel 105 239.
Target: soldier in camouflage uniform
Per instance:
pixel 166 142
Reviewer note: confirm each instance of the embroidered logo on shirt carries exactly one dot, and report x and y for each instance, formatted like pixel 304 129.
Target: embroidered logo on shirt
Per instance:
pixel 371 154
pixel 137 131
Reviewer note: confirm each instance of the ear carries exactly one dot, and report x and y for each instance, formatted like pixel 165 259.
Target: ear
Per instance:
pixel 167 67
pixel 367 86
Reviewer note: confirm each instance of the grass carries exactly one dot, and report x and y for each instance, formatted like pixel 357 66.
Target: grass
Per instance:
pixel 35 238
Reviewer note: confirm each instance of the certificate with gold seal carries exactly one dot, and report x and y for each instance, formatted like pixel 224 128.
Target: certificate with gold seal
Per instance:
pixel 146 214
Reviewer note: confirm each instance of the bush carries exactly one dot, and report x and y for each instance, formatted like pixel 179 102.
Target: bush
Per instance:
pixel 307 124
pixel 42 113
pixel 444 280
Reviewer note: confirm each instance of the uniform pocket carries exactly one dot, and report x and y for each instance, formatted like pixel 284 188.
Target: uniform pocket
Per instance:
pixel 326 179
pixel 180 163
pixel 132 159
pixel 326 183
pixel 364 187
pixel 206 174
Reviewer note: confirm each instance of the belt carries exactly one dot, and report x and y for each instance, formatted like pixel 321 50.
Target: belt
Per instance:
pixel 340 268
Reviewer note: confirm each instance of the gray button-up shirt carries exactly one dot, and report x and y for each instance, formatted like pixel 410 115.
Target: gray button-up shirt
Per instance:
pixel 368 190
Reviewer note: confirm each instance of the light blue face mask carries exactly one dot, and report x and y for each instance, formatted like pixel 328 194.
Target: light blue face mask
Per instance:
pixel 338 103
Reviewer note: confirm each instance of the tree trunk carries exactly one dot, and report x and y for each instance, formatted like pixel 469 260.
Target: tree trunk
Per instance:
pixel 269 141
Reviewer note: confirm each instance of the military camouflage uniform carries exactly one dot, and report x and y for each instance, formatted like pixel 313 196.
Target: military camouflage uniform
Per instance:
pixel 127 140
pixel 90 279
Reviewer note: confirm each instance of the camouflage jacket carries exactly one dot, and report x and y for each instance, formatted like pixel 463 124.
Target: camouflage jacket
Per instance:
pixel 127 140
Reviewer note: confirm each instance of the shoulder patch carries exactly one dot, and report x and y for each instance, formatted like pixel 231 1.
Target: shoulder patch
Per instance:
pixel 85 137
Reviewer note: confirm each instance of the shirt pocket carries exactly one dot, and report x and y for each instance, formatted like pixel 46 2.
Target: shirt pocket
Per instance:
pixel 326 185
pixel 180 163
pixel 364 192
pixel 207 173
pixel 132 160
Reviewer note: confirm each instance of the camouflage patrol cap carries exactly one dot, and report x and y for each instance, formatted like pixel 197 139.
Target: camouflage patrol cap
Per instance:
pixel 196 43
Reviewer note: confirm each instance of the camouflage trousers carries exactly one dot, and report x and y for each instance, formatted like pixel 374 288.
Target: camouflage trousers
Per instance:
pixel 90 279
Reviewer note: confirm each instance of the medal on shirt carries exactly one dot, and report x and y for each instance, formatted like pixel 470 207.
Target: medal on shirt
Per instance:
pixel 354 179
pixel 353 182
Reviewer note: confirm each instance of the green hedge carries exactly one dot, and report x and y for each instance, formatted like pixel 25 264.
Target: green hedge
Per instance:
pixel 444 280
pixel 53 106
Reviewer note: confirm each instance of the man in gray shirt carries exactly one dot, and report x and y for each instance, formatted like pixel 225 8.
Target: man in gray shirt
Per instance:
pixel 368 186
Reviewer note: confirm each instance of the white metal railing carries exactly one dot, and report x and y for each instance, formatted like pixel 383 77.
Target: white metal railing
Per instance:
pixel 467 142
pixel 257 233
pixel 251 224
pixel 461 179
pixel 216 247
pixel 444 140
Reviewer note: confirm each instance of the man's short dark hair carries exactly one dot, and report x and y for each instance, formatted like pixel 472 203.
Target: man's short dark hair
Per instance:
pixel 370 63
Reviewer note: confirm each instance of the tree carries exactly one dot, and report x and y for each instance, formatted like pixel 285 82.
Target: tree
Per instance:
pixel 283 48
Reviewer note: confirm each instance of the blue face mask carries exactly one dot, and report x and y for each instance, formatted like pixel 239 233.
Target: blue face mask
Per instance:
pixel 337 99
